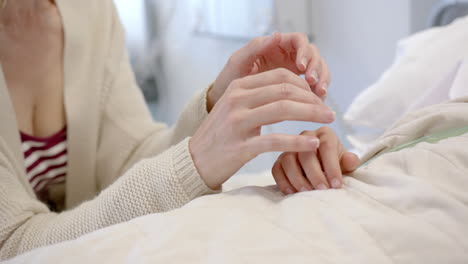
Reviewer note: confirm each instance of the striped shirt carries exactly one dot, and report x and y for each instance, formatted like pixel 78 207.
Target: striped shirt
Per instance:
pixel 45 159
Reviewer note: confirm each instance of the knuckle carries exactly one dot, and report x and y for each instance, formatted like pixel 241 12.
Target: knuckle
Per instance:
pixel 325 144
pixel 315 99
pixel 285 90
pixel 236 84
pixel 235 119
pixel 248 152
pixel 325 130
pixel 328 143
pixel 297 142
pixel 242 150
pixel 273 143
pixel 283 74
pixel 324 139
pixel 282 108
pixel 235 99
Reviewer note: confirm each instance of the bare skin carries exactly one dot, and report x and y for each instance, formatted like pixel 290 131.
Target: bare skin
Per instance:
pixel 31 54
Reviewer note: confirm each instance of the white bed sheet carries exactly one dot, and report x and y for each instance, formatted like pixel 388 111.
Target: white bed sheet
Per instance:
pixel 405 207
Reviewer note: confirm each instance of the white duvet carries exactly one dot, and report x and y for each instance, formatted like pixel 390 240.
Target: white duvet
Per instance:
pixel 405 207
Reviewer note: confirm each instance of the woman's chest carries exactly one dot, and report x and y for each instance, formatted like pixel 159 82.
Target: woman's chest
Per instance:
pixel 39 112
pixel 31 54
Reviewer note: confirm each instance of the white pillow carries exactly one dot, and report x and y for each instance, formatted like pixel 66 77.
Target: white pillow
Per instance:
pixel 460 84
pixel 425 66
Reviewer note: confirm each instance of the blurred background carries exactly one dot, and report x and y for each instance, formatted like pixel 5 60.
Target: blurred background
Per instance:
pixel 178 47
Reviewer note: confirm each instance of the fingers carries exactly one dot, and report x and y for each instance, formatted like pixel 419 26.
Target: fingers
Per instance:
pixel 294 172
pixel 321 169
pixel 285 91
pixel 299 43
pixel 286 110
pixel 320 84
pixel 290 50
pixel 280 143
pixel 313 170
pixel 321 87
pixel 349 162
pixel 314 70
pixel 308 59
pixel 277 76
pixel 255 48
pixel 330 152
pixel 280 177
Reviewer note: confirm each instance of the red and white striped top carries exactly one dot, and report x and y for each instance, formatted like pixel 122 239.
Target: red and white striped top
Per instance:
pixel 45 159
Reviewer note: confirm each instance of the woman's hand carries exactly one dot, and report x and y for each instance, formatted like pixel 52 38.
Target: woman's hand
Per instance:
pixel 319 170
pixel 230 135
pixel 291 51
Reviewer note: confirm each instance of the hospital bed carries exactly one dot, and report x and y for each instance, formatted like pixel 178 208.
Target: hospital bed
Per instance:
pixel 331 227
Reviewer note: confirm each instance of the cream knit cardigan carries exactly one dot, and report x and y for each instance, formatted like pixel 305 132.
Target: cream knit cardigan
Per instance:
pixel 121 164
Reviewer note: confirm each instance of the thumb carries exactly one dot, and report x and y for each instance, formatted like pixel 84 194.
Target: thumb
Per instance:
pixel 349 162
pixel 245 58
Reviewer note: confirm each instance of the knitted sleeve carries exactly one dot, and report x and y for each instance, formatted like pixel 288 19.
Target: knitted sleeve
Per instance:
pixel 153 185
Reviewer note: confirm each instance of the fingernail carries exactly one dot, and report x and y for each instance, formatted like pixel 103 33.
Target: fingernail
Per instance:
pixel 289 191
pixel 314 75
pixel 322 187
pixel 304 189
pixel 331 116
pixel 315 142
pixel 324 89
pixel 304 63
pixel 336 184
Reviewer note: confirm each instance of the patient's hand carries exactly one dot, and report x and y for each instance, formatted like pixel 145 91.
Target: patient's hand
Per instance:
pixel 320 169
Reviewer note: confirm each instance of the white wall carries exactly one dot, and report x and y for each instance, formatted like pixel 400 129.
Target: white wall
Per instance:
pixel 357 38
pixel 420 12
pixel 132 16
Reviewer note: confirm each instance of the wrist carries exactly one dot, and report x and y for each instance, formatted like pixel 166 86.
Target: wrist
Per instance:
pixel 203 163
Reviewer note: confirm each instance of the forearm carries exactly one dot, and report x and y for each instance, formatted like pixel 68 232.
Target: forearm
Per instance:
pixel 154 185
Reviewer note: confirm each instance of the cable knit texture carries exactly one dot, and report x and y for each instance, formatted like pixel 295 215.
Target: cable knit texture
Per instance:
pixel 122 164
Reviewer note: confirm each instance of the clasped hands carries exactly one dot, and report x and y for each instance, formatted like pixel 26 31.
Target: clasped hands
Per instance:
pixel 261 85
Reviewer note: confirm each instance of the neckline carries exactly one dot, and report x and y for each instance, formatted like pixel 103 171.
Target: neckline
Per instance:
pixel 26 136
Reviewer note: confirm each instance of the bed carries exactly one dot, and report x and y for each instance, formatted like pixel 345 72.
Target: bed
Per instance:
pixel 409 206
pixel 395 209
